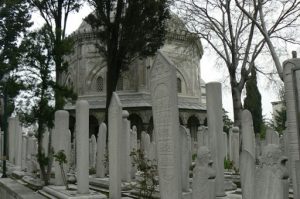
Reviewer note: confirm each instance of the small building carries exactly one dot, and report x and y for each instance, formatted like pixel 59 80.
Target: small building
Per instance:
pixel 87 76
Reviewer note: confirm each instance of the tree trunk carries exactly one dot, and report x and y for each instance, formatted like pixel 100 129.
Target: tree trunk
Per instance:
pixel 237 105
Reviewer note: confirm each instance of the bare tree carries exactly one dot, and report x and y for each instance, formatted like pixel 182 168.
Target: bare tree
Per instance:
pixel 232 31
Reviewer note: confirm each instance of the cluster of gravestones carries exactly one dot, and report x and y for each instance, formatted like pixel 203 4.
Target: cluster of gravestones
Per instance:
pixel 262 165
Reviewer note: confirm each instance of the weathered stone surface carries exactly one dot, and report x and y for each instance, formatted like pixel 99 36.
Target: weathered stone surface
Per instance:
pixel 24 151
pixel 292 112
pixel 185 158
pixel 234 142
pixel 93 151
pixel 101 151
pixel 114 143
pixel 60 135
pixel 225 145
pixel 166 125
pixel 202 136
pixel 45 141
pixel 272 136
pixel 82 146
pixel 125 148
pixel 247 159
pixel 134 148
pixel 272 176
pixel 31 163
pixel 14 141
pixel 204 176
pixel 215 129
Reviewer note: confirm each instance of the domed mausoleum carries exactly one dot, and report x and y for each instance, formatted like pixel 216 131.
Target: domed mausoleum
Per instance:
pixel 87 76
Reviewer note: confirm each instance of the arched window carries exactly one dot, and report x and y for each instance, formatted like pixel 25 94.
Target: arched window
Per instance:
pixel 179 85
pixel 99 84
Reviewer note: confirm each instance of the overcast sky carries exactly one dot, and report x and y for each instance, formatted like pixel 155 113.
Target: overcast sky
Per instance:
pixel 209 70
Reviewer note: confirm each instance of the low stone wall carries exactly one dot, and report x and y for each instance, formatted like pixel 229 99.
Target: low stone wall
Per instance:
pixel 11 189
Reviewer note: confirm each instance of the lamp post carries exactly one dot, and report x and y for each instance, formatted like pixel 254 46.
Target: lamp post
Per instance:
pixel 4 125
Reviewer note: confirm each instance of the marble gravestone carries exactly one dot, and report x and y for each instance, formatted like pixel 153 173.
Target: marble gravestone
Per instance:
pixel 45 141
pixel 234 146
pixel 272 175
pixel 166 124
pixel 24 151
pixel 225 145
pixel 247 159
pixel 291 113
pixel 134 148
pixel 93 151
pixel 101 151
pixel 215 129
pixel 186 155
pixel 31 163
pixel 202 136
pixel 272 136
pixel 82 146
pixel 14 141
pixel 60 135
pixel 114 143
pixel 125 148
pixel 204 176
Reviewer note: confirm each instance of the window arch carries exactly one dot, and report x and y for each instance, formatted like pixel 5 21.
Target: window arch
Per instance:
pixel 99 84
pixel 179 85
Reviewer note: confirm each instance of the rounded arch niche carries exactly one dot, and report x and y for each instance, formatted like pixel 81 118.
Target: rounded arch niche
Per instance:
pixel 193 124
pixel 136 120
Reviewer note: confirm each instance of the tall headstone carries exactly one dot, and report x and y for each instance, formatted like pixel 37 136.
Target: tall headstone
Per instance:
pixel 11 139
pixel 93 151
pixel 82 146
pixel 202 136
pixel 234 141
pixel 166 124
pixel 18 143
pixel 68 149
pixel 225 145
pixel 291 84
pixel 272 175
pixel 204 176
pixel 114 143
pixel 101 151
pixel 24 151
pixel 125 148
pixel 60 133
pixel 215 129
pixel 185 159
pixel 31 153
pixel 247 160
pixel 134 148
pixel 145 143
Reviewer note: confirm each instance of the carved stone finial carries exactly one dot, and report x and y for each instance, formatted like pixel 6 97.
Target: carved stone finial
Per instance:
pixel 294 54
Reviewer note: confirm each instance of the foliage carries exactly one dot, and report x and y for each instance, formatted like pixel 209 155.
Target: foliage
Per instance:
pixel 227 122
pixel 228 164
pixel 127 30
pixel 61 158
pixel 278 124
pixel 252 102
pixel 55 14
pixel 14 22
pixel 146 185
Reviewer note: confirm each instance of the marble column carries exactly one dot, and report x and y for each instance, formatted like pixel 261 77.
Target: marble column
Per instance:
pixel 82 146
pixel 215 129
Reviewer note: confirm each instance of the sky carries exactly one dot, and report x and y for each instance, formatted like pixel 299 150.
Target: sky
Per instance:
pixel 209 69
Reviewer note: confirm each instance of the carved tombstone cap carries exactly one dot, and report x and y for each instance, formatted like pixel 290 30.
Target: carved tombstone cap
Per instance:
pixel 235 129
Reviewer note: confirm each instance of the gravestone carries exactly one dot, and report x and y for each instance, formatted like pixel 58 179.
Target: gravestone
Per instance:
pixel 60 134
pixel 125 148
pixel 291 81
pixel 31 153
pixel 272 136
pixel 202 136
pixel 93 151
pixel 225 145
pixel 101 151
pixel 68 149
pixel 185 159
pixel 145 143
pixel 114 143
pixel 247 159
pixel 134 148
pixel 18 143
pixel 234 141
pixel 166 124
pixel 152 152
pixel 272 175
pixel 24 151
pixel 82 146
pixel 215 129
pixel 204 176
pixel 14 141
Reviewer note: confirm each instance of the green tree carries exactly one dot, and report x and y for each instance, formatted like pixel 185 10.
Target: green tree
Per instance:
pixel 227 122
pixel 55 14
pixel 252 102
pixel 37 75
pixel 14 22
pixel 278 124
pixel 127 30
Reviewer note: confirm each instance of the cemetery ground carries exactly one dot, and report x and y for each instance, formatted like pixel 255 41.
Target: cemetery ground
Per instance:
pixel 166 164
